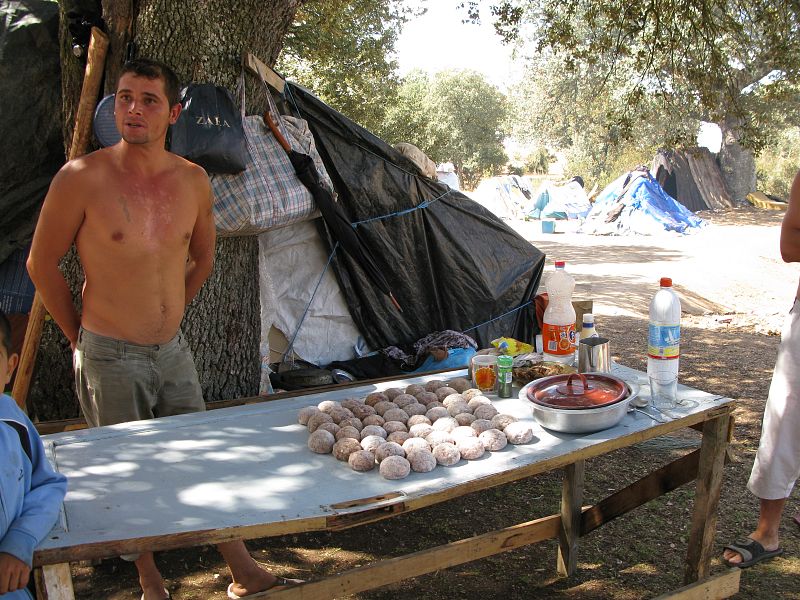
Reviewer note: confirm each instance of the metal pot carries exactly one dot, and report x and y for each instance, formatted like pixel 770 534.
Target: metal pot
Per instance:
pixel 584 420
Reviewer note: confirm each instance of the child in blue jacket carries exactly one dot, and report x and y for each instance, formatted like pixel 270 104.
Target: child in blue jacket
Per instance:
pixel 31 492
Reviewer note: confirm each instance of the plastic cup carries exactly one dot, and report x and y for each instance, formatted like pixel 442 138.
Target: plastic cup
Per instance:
pixel 484 372
pixel 663 393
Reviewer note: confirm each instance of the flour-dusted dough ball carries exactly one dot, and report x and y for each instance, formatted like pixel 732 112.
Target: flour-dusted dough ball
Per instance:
pixel 445 424
pixel 321 441
pixel 414 389
pixel 443 392
pixel 383 406
pixel 374 420
pixel 437 412
pixel 404 399
pixel 471 393
pixel 459 384
pixel 464 418
pixel 349 403
pixel 371 442
pixel 447 401
pixel 434 384
pixel 392 392
pixel 348 431
pixel 471 448
pixel 375 397
pixel 340 413
pixel 456 408
pixel 500 421
pixel 493 440
pixel 421 460
pixel 396 414
pixel 481 425
pixel 344 447
pixel 415 409
pixel 417 419
pixel 434 438
pixel 484 411
pixel 331 427
pixel 388 449
pixel 363 411
pixel 435 404
pixel 318 419
pixel 399 437
pixel 395 467
pixel 426 397
pixel 518 433
pixel 352 422
pixel 306 413
pixel 476 401
pixel 420 430
pixel 415 443
pixel 373 430
pixel 361 460
pixel 446 454
pixel 392 426
pixel 462 432
pixel 327 406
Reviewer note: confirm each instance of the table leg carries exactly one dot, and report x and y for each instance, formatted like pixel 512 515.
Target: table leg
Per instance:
pixel 709 484
pixel 571 503
pixel 54 582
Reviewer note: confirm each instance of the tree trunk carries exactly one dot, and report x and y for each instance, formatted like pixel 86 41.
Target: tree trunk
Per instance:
pixel 203 41
pixel 737 164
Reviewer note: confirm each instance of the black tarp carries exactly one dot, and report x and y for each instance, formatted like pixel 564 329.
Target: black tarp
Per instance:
pixel 451 265
pixel 30 105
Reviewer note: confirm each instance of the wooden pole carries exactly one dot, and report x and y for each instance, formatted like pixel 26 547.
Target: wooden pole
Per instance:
pixel 92 77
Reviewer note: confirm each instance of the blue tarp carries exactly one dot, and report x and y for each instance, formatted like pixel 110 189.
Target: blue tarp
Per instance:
pixel 552 201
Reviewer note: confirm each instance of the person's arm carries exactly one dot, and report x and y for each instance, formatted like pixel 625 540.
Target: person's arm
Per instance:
pixel 790 228
pixel 201 246
pixel 59 221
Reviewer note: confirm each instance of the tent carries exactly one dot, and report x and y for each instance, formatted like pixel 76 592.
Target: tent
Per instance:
pixel 692 177
pixel 505 195
pixel 551 201
pixel 635 204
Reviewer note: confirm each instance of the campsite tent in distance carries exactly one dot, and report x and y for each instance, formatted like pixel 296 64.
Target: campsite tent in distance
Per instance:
pixel 692 177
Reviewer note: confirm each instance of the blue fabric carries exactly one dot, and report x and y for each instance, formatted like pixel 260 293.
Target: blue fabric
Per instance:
pixel 31 492
pixel 457 358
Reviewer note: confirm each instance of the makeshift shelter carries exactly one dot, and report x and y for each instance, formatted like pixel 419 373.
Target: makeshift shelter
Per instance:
pixel 446 173
pixel 505 195
pixel 635 204
pixel 692 177
pixel 551 201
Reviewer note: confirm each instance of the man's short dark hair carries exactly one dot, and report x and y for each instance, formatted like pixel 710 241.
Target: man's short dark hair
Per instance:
pixel 5 332
pixel 154 69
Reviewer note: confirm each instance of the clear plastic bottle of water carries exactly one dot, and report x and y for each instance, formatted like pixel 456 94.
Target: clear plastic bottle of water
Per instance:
pixel 558 321
pixel 663 346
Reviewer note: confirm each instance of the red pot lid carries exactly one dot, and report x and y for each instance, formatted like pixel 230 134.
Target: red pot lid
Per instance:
pixel 577 391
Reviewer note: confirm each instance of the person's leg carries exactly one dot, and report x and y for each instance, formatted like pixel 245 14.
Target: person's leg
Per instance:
pixel 179 389
pixel 150 578
pixel 766 533
pixel 248 576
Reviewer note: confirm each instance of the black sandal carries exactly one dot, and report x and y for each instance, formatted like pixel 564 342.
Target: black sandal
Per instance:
pixel 751 551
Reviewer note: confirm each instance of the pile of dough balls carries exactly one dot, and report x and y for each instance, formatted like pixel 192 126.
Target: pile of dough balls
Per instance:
pixel 415 429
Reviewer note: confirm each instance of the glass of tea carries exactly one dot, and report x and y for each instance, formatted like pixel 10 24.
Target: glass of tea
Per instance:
pixel 484 372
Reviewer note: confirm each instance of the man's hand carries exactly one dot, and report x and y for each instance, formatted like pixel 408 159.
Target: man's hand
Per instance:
pixel 13 573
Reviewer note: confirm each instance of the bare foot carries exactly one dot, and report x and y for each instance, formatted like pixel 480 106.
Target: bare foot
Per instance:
pixel 253 582
pixel 735 558
pixel 154 592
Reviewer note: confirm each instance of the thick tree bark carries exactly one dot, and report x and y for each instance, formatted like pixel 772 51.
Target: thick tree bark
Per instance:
pixel 203 41
pixel 737 164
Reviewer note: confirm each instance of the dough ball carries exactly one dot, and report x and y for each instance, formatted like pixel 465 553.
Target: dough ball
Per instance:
pixel 445 424
pixel 493 440
pixel 462 432
pixel 484 411
pixel 457 408
pixel 392 392
pixel 465 418
pixel 388 449
pixel 415 409
pixel 352 422
pixel 343 448
pixel 416 419
pixel 349 403
pixel 331 427
pixel 414 389
pixel 399 437
pixel 374 420
pixel 306 413
pixel 434 438
pixel 500 421
pixel 447 454
pixel 476 401
pixel 415 443
pixel 327 406
pixel 481 425
pixel 420 430
pixel 421 460
pixel 404 400
pixel 518 432
pixel 396 414
pixel 438 412
pixel 426 397
pixel 395 467
pixel 321 441
pixel 375 397
pixel 444 391
pixel 362 411
pixel 361 460
pixel 384 405
pixel 373 430
pixel 318 419
pixel 434 384
pixel 371 442
pixel 452 399
pixel 392 426
pixel 340 413
pixel 434 404
pixel 471 448
pixel 471 393
pixel 459 384
pixel 347 431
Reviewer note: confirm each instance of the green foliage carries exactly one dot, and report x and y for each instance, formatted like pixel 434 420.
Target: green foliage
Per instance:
pixel 777 165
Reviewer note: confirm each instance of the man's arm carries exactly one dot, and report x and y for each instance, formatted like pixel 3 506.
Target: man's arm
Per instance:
pixel 790 228
pixel 201 246
pixel 59 222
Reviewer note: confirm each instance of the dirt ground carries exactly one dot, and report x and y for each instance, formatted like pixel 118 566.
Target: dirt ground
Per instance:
pixel 735 291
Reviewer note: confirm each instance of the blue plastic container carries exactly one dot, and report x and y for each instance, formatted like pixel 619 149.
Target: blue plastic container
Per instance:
pixel 548 226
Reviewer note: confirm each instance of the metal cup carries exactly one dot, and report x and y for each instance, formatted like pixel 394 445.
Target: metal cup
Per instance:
pixel 593 356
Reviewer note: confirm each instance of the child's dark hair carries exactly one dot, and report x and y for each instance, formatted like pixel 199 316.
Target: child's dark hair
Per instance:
pixel 5 332
pixel 154 69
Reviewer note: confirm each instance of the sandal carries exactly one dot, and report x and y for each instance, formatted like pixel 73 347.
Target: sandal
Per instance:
pixel 281 583
pixel 751 551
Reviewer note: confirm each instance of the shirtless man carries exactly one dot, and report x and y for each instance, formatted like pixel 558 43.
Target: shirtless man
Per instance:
pixel 141 220
pixel 777 465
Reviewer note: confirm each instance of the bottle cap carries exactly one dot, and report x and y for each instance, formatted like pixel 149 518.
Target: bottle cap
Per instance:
pixel 560 264
pixel 588 318
pixel 666 282
pixel 505 361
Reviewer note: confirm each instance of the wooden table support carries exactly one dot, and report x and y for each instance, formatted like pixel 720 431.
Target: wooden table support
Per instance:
pixel 570 531
pixel 54 582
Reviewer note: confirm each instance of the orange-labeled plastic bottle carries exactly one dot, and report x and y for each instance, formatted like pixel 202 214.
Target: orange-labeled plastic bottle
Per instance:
pixel 558 321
